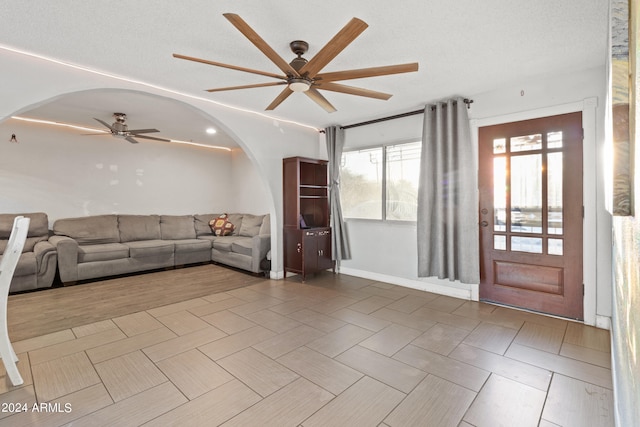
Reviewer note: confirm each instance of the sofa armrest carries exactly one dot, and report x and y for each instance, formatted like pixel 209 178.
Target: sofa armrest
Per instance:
pixel 261 245
pixel 42 248
pixel 67 249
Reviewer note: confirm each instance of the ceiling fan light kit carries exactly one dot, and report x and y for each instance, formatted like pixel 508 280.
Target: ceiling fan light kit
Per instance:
pixel 302 75
pixel 299 85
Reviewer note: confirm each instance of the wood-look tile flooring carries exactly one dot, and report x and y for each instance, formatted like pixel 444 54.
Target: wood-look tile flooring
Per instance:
pixel 334 351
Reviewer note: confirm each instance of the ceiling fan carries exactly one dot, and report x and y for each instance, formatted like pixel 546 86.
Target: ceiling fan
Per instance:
pixel 119 129
pixel 302 75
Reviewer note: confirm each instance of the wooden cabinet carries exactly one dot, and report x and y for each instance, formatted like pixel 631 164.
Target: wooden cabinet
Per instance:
pixel 307 235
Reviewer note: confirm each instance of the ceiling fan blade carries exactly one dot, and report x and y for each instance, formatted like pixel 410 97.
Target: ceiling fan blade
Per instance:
pixel 106 124
pixel 336 45
pixel 131 140
pixel 232 67
pixel 283 95
pixel 137 131
pixel 334 87
pixel 148 137
pixel 320 100
pixel 220 89
pixel 367 72
pixel 254 38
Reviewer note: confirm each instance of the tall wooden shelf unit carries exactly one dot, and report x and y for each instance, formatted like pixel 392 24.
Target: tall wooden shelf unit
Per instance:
pixel 307 235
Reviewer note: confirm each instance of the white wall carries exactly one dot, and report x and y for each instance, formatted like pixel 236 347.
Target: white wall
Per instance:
pixel 248 192
pixel 65 174
pixel 388 251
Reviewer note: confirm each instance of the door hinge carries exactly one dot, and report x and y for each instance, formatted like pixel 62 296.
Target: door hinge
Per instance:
pixel 583 212
pixel 583 289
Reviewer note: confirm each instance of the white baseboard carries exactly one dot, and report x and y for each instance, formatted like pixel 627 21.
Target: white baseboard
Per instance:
pixel 603 322
pixel 428 286
pixel 276 275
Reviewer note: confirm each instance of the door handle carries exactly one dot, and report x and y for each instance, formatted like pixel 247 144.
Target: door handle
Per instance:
pixel 484 223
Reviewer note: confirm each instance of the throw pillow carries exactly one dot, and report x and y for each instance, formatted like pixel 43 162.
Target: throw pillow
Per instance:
pixel 221 226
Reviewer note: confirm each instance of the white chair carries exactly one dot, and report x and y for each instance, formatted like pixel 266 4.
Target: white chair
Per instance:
pixel 7 268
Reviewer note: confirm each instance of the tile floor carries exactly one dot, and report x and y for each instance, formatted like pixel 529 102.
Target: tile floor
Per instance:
pixel 336 351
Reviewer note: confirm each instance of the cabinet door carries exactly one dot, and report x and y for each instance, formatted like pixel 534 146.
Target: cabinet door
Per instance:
pixel 310 246
pixel 324 250
pixel 293 250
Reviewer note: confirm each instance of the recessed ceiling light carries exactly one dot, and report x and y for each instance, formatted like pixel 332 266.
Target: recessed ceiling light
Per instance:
pixel 211 131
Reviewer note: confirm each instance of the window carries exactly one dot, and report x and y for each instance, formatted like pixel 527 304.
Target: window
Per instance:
pixel 381 183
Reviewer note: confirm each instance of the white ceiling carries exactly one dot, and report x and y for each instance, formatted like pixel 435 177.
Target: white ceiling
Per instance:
pixel 464 47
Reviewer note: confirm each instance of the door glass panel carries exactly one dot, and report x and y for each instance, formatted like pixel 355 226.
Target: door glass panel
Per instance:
pixel 500 194
pixel 555 246
pixel 526 193
pixel 526 244
pixel 554 192
pixel 526 143
pixel 554 139
pixel 500 243
pixel 499 146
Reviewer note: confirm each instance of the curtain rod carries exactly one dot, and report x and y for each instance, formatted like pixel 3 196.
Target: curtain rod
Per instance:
pixel 398 116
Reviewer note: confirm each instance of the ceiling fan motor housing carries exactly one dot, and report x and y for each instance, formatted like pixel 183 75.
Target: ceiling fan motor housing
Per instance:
pixel 119 125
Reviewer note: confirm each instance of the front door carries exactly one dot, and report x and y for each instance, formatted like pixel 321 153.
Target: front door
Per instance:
pixel 530 178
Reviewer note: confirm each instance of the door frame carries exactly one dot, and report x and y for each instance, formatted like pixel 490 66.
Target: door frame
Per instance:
pixel 590 193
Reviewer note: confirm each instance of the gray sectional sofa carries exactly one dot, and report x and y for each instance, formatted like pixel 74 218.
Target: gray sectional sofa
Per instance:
pixel 106 245
pixel 37 265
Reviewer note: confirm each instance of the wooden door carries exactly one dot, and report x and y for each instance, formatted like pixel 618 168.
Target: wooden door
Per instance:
pixel 531 213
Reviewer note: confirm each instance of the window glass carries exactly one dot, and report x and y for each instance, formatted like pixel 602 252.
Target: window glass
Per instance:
pixel 403 173
pixel 381 182
pixel 526 193
pixel 526 143
pixel 554 192
pixel 361 184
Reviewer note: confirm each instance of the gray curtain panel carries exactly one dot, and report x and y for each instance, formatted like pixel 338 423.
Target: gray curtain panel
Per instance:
pixel 447 224
pixel 339 239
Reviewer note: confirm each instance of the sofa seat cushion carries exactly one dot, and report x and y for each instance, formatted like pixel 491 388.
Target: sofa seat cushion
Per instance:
pixel 224 243
pixel 243 246
pixel 145 248
pixel 104 252
pixel 27 264
pixel 191 245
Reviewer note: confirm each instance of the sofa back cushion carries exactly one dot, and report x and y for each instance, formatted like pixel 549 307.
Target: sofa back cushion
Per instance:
pixel 265 228
pixel 38 229
pixel 90 230
pixel 236 220
pixel 177 227
pixel 139 227
pixel 250 225
pixel 202 224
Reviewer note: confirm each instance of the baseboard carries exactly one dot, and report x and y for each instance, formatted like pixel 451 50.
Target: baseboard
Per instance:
pixel 603 322
pixel 426 285
pixel 276 275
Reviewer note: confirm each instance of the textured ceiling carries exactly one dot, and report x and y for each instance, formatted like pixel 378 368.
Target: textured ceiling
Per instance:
pixel 464 47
